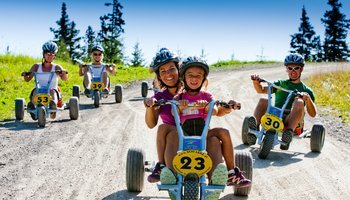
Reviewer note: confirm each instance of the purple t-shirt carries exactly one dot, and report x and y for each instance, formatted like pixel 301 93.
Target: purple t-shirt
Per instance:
pixel 165 111
pixel 194 112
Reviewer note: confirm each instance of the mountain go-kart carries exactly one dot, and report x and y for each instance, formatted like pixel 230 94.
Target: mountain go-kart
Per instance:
pixel 272 126
pixel 191 164
pixel 97 86
pixel 41 100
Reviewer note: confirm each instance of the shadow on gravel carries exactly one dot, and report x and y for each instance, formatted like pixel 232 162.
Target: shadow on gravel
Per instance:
pixel 124 194
pixel 136 99
pixel 12 124
pixel 312 154
pixel 232 196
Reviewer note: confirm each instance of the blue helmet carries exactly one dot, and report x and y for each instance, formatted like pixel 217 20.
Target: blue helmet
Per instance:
pixel 97 47
pixel 294 58
pixel 50 47
pixel 163 56
pixel 193 61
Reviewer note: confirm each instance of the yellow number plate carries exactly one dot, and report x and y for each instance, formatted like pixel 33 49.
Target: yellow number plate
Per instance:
pixel 269 121
pixel 42 98
pixel 192 161
pixel 97 86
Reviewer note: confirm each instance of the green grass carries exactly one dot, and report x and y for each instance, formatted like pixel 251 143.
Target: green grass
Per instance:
pixel 238 64
pixel 333 91
pixel 13 86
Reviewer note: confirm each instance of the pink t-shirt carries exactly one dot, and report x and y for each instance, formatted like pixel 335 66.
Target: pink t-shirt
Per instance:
pixel 165 111
pixel 194 112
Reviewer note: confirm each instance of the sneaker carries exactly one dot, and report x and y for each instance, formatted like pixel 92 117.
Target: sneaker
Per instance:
pixel 155 176
pixel 287 136
pixel 236 178
pixel 87 91
pixel 219 177
pixel 251 138
pixel 167 177
pixel 53 106
pixel 105 91
pixel 31 106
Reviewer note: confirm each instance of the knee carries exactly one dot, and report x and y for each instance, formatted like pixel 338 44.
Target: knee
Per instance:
pixel 298 104
pixel 262 102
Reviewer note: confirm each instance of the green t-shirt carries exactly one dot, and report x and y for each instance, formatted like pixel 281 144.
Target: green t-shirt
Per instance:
pixel 281 96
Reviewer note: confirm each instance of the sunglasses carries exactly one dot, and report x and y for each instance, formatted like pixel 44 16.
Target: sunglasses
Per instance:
pixel 294 68
pixel 97 54
pixel 50 53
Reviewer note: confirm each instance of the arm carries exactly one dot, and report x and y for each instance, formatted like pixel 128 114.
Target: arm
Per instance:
pixel 64 74
pixel 152 113
pixel 81 73
pixel 257 86
pixel 111 69
pixel 28 77
pixel 310 105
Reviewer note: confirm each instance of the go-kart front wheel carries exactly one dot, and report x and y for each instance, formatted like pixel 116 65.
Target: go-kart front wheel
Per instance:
pixel 135 170
pixel 19 108
pixel 41 116
pixel 118 93
pixel 144 88
pixel 97 99
pixel 267 144
pixel 244 161
pixel 318 134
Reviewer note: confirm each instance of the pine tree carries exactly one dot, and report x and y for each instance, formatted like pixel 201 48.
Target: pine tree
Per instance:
pixel 305 42
pixel 137 56
pixel 336 25
pixel 67 35
pixel 90 41
pixel 111 30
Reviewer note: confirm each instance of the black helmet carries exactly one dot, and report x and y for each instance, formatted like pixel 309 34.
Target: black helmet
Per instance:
pixel 294 58
pixel 97 47
pixel 50 47
pixel 163 56
pixel 193 61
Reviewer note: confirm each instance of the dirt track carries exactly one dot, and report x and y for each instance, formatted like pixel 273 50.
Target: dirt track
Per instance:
pixel 85 159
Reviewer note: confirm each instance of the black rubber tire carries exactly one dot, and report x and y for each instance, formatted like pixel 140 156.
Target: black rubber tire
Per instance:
pixel 97 99
pixel 245 127
pixel 76 91
pixel 266 144
pixel 41 116
pixel 244 161
pixel 74 108
pixel 191 190
pixel 318 135
pixel 135 170
pixel 118 93
pixel 144 88
pixel 19 108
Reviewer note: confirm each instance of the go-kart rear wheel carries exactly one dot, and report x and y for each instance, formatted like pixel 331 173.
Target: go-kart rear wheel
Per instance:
pixel 144 88
pixel 97 99
pixel 244 161
pixel 318 134
pixel 19 108
pixel 74 108
pixel 135 170
pixel 266 144
pixel 76 91
pixel 118 93
pixel 249 122
pixel 41 116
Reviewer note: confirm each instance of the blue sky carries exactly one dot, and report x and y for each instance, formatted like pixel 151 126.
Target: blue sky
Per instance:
pixel 244 29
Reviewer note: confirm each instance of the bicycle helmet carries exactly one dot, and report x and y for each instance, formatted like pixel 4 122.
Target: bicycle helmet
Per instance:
pixel 98 48
pixel 294 58
pixel 50 47
pixel 163 56
pixel 193 61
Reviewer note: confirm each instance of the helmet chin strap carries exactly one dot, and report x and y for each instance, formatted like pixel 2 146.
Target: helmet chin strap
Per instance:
pixel 187 88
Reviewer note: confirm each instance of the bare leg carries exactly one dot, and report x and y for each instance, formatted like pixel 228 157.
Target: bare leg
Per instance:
pixel 87 79
pixel 162 133
pixel 105 79
pixel 295 114
pixel 171 147
pixel 227 147
pixel 260 110
pixel 214 151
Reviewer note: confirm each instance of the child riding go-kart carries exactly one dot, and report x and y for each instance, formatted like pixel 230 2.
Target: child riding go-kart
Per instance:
pixel 272 125
pixel 191 163
pixel 41 106
pixel 97 89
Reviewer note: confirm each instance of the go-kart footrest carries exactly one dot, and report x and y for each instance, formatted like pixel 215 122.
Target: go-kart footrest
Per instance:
pixel 167 187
